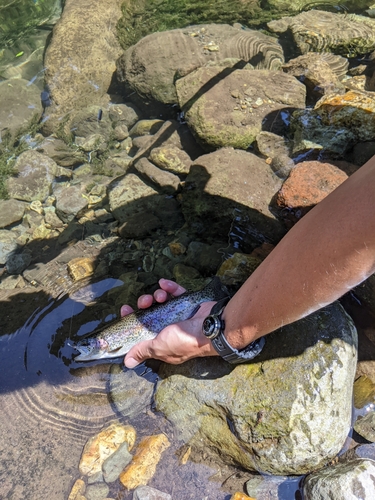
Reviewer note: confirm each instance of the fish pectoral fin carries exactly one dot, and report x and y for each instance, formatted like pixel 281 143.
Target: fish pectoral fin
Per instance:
pixel 195 310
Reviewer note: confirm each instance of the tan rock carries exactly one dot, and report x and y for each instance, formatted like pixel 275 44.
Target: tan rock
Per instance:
pixel 171 158
pixel 236 269
pixel 78 490
pixel 100 447
pixel 81 267
pixel 144 463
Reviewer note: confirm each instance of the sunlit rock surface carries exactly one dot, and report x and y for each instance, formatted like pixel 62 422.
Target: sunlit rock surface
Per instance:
pixel 351 481
pixel 151 65
pixel 276 414
pixel 80 60
pixel 320 31
pixel 226 107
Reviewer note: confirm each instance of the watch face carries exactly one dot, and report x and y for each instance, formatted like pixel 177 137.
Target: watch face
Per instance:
pixel 211 327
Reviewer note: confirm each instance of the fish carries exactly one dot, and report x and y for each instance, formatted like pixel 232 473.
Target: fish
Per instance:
pixel 117 338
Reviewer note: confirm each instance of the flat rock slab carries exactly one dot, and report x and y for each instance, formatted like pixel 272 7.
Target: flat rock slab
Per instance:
pixel 275 414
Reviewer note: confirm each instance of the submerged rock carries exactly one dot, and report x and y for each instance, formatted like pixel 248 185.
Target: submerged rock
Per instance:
pixel 320 31
pixel 227 107
pixel 351 481
pixel 163 55
pixel 275 414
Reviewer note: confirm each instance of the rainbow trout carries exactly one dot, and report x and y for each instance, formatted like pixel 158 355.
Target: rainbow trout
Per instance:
pixel 117 338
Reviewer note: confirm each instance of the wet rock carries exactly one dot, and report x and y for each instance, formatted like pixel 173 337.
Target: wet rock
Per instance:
pixel 320 31
pixel 77 490
pixel 139 226
pixel 366 451
pixel 362 152
pixel 235 270
pixel 58 151
pixel 308 183
pixel 35 174
pixel 100 447
pixel 12 282
pixel 146 458
pixel 363 391
pixel 350 481
pixel 165 181
pixel 227 185
pixel 183 50
pixel 188 277
pixel 127 114
pixel 130 393
pixel 206 258
pixel 51 218
pixel 148 493
pixel 16 264
pixel 93 142
pixel 314 71
pixel 19 105
pixel 171 158
pixel 80 59
pixel 70 202
pixel 116 463
pixel 8 244
pixel 72 232
pixel 222 116
pixel 146 127
pixel 81 267
pixel 118 163
pixel 263 487
pixel 11 211
pixel 365 426
pixel 281 418
pixel 96 491
pixel 121 132
pixel 277 150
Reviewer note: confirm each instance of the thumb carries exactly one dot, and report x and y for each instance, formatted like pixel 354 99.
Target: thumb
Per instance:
pixel 137 355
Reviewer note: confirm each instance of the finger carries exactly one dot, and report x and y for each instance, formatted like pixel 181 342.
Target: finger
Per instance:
pixel 145 301
pixel 138 354
pixel 171 287
pixel 161 295
pixel 125 310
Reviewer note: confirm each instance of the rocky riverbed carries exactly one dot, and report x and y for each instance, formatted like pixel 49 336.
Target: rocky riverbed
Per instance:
pixel 190 154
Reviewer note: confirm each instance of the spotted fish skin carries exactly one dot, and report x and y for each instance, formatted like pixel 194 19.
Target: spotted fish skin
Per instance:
pixel 120 336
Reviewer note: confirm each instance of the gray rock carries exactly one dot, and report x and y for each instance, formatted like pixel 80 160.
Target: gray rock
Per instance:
pixel 130 393
pixel 139 226
pixel 148 493
pixel 237 105
pixel 365 426
pixel 116 463
pixel 35 174
pixel 206 258
pixel 166 182
pixel 7 244
pixel 58 151
pixel 171 158
pixel 276 413
pixel 278 149
pixel 228 188
pixel 263 487
pixel 69 202
pixel 366 451
pixel 96 491
pixel 164 55
pixel 19 104
pixel 127 114
pixel 17 263
pixel 352 480
pixel 11 211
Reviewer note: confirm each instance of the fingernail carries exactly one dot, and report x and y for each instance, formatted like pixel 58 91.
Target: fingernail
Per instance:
pixel 130 363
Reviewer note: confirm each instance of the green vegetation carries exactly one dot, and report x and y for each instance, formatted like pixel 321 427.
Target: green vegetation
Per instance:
pixel 141 18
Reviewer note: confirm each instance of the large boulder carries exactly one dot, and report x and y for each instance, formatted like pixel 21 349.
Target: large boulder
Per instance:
pixel 229 192
pixel 151 66
pixel 227 107
pixel 80 60
pixel 286 412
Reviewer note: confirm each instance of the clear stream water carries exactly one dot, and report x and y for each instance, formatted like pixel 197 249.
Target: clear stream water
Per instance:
pixel 50 405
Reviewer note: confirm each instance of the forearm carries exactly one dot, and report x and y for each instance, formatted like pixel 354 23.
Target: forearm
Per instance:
pixel 328 252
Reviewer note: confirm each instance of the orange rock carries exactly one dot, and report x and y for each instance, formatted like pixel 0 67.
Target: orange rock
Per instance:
pixel 241 496
pixel 81 267
pixel 77 490
pixel 100 447
pixel 308 183
pixel 144 463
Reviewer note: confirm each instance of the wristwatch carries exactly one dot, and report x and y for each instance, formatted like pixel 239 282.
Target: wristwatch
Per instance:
pixel 213 328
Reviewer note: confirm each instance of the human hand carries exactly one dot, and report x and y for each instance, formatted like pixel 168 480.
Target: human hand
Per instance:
pixel 177 342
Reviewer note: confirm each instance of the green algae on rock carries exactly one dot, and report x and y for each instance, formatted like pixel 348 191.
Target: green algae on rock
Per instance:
pixel 276 414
